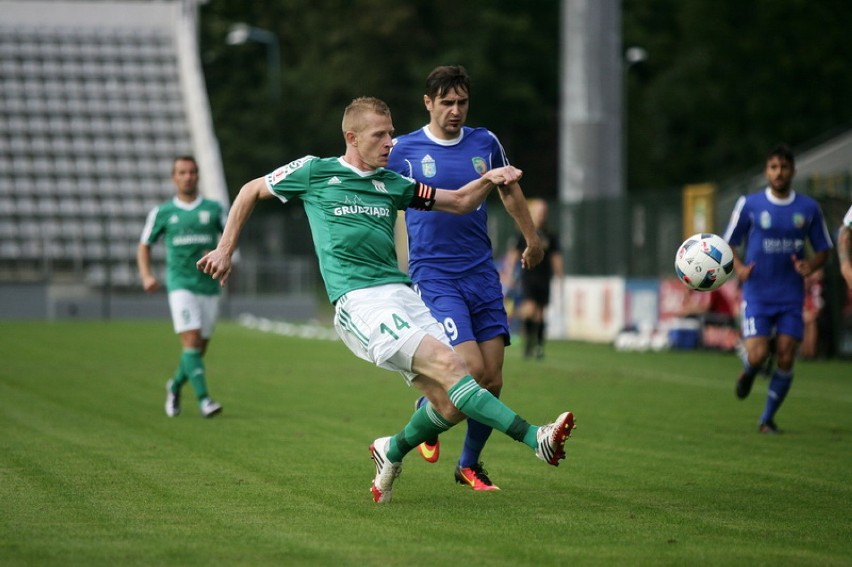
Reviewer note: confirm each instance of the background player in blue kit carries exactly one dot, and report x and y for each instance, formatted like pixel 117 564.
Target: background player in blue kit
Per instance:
pixel 451 257
pixel 774 225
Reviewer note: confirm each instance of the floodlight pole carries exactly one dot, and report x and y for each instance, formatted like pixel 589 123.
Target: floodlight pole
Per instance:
pixel 241 33
pixel 632 56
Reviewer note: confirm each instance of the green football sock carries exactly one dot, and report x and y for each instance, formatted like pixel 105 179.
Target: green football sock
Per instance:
pixel 478 403
pixel 425 424
pixel 179 379
pixel 193 367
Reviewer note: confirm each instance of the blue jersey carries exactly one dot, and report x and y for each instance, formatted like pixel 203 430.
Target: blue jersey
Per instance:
pixel 775 230
pixel 444 245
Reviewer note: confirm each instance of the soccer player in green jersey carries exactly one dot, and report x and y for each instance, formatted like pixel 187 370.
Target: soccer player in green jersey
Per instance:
pixel 351 203
pixel 190 226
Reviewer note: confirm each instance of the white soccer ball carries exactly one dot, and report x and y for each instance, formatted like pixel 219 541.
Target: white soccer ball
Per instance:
pixel 704 262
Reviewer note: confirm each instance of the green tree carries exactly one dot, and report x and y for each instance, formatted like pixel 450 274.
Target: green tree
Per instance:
pixel 335 50
pixel 726 79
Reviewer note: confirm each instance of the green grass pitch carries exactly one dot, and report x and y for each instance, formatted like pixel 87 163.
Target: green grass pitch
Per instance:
pixel 665 467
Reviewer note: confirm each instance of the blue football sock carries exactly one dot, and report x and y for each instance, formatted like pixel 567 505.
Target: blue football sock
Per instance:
pixel 474 442
pixel 778 388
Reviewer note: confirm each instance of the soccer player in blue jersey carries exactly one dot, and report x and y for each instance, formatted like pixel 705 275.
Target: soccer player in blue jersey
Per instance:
pixel 774 225
pixel 450 257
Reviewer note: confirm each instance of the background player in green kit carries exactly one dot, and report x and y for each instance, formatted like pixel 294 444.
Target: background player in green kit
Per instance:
pixel 190 226
pixel 351 203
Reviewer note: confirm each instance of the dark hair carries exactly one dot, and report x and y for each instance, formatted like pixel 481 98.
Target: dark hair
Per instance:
pixel 782 151
pixel 445 78
pixel 183 158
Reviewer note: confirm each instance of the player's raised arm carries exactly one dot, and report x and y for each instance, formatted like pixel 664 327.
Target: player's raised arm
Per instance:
pixel 471 195
pixel 217 262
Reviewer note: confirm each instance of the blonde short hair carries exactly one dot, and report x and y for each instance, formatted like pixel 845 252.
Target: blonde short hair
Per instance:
pixel 352 116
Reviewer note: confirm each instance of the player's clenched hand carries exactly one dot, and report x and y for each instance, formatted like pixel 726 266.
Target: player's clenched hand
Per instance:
pixel 504 175
pixel 150 283
pixel 532 256
pixel 802 266
pixel 216 264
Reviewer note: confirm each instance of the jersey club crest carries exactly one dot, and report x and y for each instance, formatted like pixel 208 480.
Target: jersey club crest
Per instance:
pixel 428 167
pixel 479 165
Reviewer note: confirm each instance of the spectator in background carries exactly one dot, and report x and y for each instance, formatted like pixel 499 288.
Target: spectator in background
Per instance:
pixel 535 282
pixel 773 225
pixel 190 226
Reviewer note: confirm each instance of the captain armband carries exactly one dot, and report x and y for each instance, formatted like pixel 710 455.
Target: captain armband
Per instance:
pixel 424 198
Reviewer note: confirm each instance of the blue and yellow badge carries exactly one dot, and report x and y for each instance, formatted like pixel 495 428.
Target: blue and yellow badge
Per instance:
pixel 479 165
pixel 798 220
pixel 427 166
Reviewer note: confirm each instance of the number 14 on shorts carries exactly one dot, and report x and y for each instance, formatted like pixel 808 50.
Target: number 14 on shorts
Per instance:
pixel 399 324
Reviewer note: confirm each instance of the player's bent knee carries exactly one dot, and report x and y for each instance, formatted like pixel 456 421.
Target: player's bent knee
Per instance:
pixel 492 382
pixel 455 366
pixel 478 373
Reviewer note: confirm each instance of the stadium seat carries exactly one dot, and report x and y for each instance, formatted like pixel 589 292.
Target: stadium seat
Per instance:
pixel 92 115
pixel 10 250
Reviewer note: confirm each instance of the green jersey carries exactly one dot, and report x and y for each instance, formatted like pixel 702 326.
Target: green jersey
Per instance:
pixel 190 230
pixel 352 215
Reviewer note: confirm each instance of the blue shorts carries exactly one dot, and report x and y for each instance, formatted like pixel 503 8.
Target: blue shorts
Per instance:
pixel 470 308
pixel 761 319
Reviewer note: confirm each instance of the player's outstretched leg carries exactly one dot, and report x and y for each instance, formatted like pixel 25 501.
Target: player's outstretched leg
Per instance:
pixel 475 402
pixel 478 403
